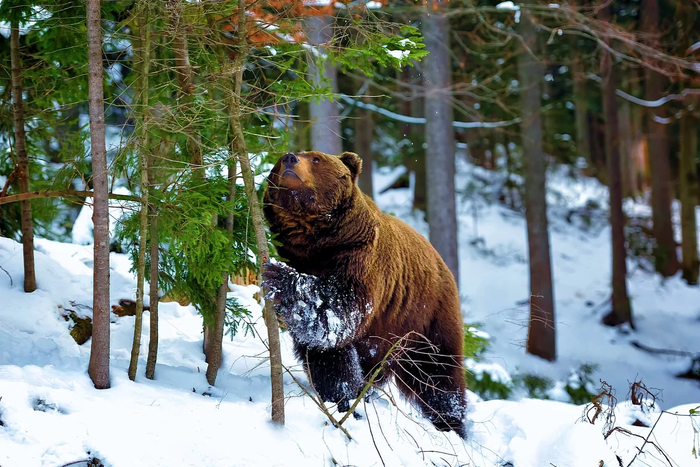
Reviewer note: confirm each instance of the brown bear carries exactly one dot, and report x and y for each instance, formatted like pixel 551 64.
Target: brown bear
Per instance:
pixel 356 281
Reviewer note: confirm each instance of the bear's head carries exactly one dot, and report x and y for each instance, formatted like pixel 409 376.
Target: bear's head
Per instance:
pixel 313 183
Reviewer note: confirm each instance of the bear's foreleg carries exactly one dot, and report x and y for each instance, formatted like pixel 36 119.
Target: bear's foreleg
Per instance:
pixel 319 313
pixel 335 374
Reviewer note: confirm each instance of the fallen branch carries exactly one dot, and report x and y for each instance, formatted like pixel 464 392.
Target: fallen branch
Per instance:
pixel 8 275
pixel 679 353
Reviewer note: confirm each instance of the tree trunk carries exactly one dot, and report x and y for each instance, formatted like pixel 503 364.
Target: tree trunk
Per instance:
pixel 665 255
pixel 689 196
pixel 325 120
pixel 22 161
pixel 583 131
pixel 154 299
pixel 99 350
pixel 627 166
pixel 541 337
pixel 364 134
pixel 301 126
pixel 417 132
pixel 439 136
pixel 214 352
pixel 640 154
pixel 241 152
pixel 144 56
pixel 185 79
pixel 621 310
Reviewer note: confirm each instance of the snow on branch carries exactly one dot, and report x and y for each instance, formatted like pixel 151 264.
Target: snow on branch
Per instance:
pixel 645 103
pixel 421 121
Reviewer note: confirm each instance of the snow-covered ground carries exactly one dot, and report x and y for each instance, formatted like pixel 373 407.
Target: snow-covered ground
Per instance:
pixel 50 415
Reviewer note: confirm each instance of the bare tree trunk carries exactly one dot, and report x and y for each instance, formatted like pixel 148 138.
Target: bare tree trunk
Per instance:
pixel 629 173
pixel 301 126
pixel 185 78
pixel 621 310
pixel 640 157
pixel 690 193
pixel 144 56
pixel 417 133
pixel 22 161
pixel 687 14
pixel 541 337
pixel 439 136
pixel 665 255
pixel 241 152
pixel 583 131
pixel 154 299
pixel 364 134
pixel 325 119
pixel 215 350
pixel 99 350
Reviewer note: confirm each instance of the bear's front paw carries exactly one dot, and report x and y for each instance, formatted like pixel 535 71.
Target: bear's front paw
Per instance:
pixel 277 279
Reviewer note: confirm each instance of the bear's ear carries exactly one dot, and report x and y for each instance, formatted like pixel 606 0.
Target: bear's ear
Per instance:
pixel 353 162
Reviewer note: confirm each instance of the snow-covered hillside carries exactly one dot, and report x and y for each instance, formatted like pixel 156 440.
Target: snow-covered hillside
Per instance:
pixel 50 415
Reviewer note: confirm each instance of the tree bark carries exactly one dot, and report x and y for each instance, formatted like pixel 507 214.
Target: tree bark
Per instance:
pixel 416 133
pixel 301 126
pixel 98 368
pixel 665 255
pixel 22 161
pixel 439 136
pixel 185 78
pixel 154 299
pixel 364 134
pixel 690 193
pixel 144 55
pixel 621 310
pixel 541 337
pixel 325 119
pixel 583 132
pixel 241 152
pixel 214 352
pixel 627 167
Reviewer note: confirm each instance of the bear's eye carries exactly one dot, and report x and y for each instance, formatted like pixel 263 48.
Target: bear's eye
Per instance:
pixel 316 160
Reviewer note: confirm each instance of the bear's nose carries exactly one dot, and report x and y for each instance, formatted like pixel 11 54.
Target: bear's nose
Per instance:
pixel 290 160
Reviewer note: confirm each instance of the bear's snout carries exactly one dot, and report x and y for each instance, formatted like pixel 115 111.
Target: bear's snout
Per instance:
pixel 289 160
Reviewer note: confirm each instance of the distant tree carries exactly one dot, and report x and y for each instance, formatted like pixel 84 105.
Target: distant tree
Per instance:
pixel 541 337
pixel 690 195
pixel 99 351
pixel 324 114
pixel 439 135
pixel 364 134
pixel 583 145
pixel 621 310
pixel 686 16
pixel 416 152
pixel 22 160
pixel 665 256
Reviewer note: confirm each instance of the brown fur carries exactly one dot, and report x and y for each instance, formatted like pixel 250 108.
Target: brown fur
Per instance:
pixel 327 226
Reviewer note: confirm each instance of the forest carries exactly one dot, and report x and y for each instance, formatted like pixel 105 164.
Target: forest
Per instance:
pixel 547 150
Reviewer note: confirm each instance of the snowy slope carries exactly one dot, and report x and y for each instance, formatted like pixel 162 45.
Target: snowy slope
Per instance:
pixel 50 415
